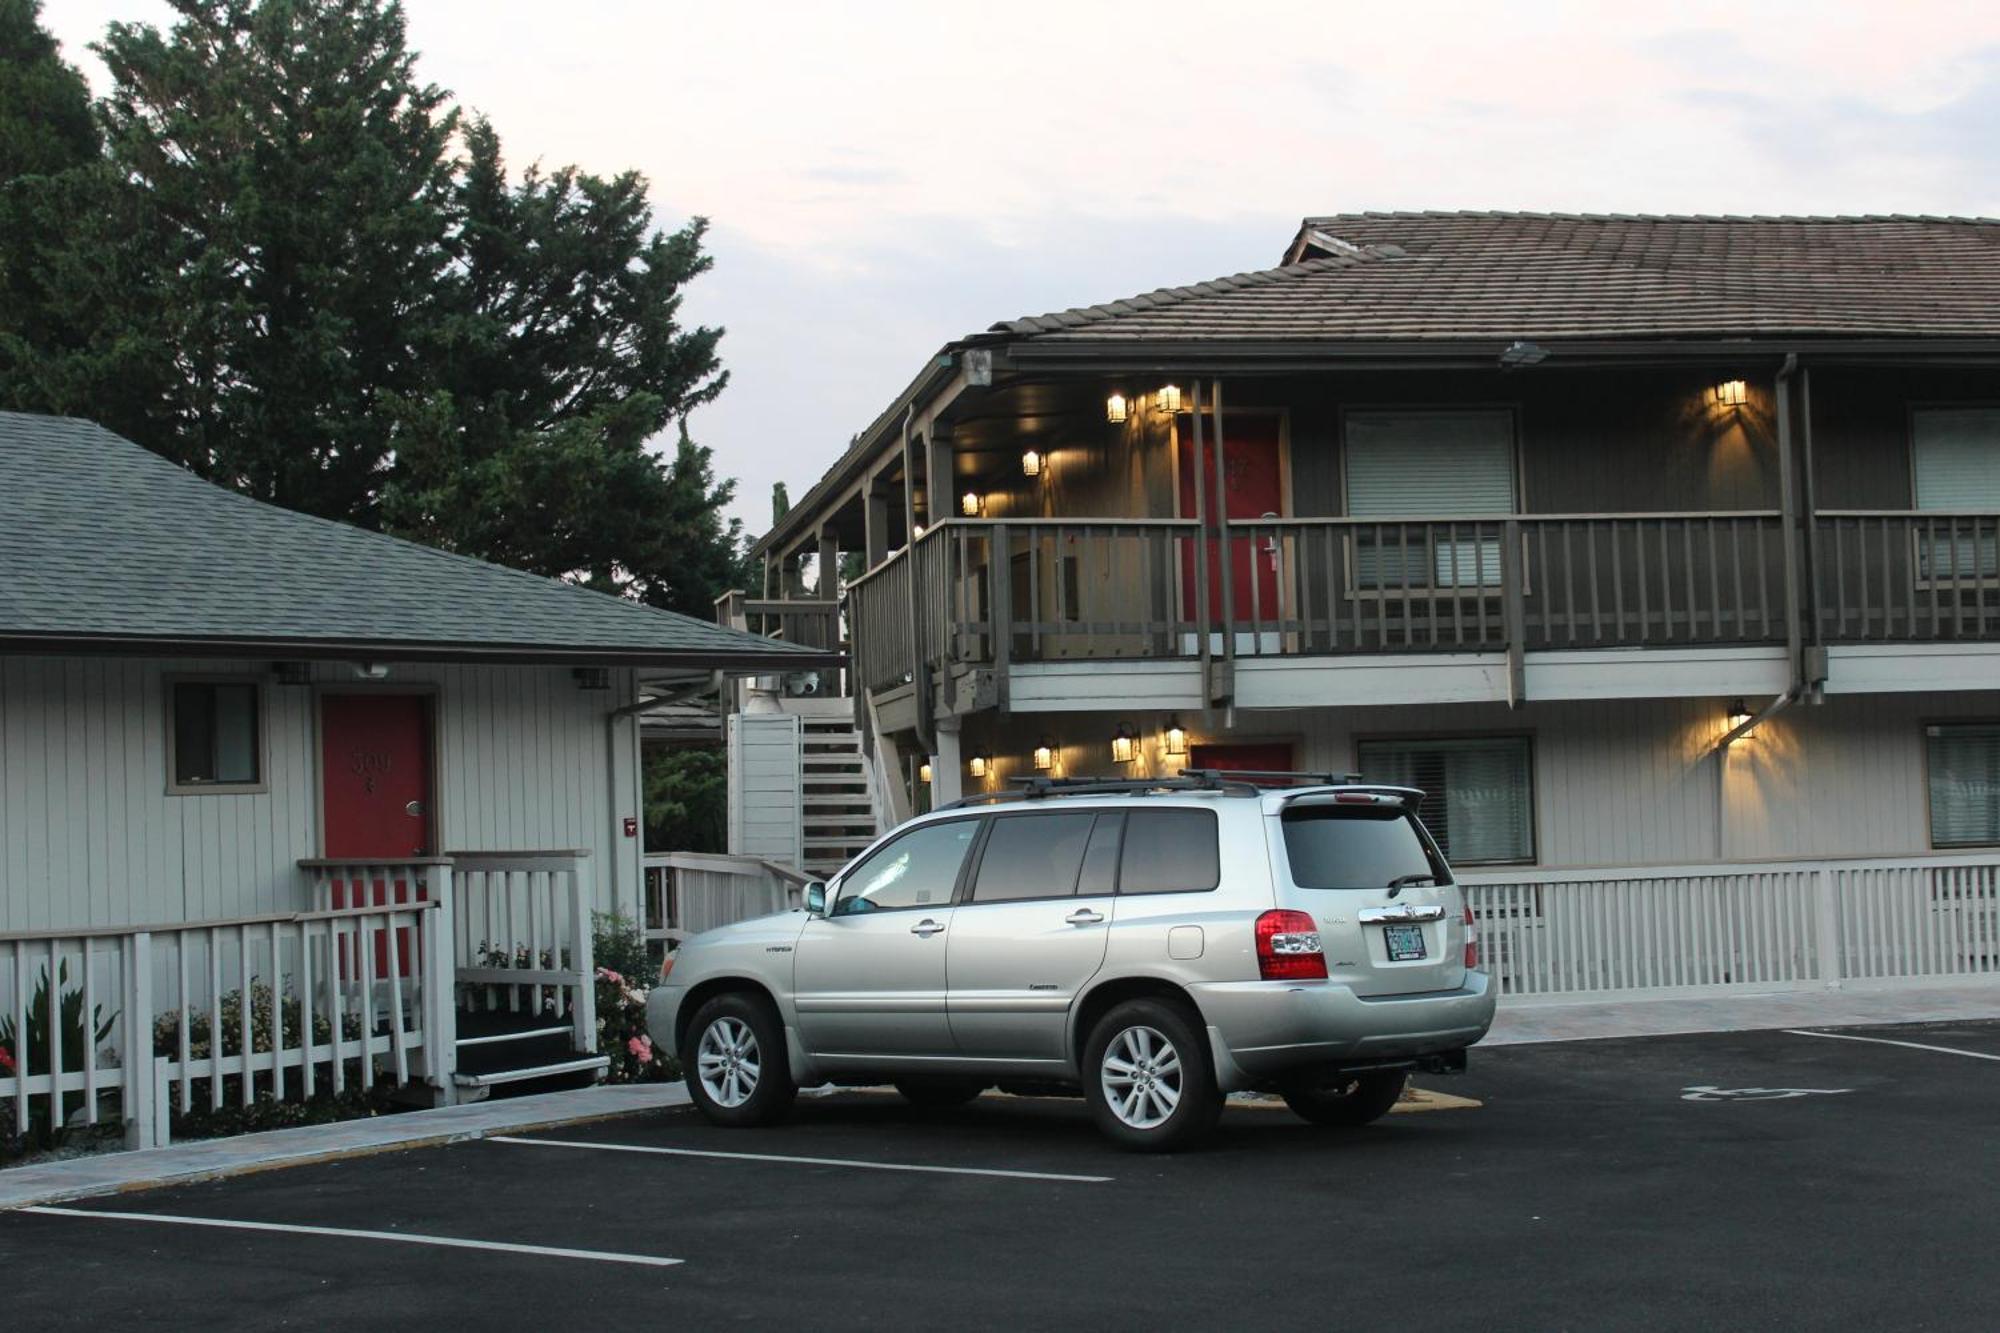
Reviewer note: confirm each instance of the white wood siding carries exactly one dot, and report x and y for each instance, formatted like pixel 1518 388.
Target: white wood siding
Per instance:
pixel 766 800
pixel 89 835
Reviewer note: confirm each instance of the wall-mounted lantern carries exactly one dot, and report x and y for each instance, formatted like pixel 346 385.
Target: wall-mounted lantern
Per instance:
pixel 1124 746
pixel 970 504
pixel 1729 393
pixel 978 765
pixel 924 774
pixel 1170 398
pixel 1114 408
pixel 1031 464
pixel 1739 714
pixel 1174 741
pixel 1045 756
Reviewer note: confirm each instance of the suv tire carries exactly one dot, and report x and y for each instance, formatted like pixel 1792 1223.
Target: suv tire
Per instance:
pixel 1148 1077
pixel 735 1062
pixel 1358 1099
pixel 939 1094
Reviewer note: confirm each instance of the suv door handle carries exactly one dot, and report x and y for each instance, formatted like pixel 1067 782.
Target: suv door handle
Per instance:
pixel 1083 916
pixel 926 928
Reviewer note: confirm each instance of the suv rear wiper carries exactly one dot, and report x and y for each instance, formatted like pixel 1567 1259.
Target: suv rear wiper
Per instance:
pixel 1401 882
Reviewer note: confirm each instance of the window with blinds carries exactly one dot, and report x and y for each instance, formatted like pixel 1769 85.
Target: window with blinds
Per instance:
pixel 1956 460
pixel 1963 762
pixel 1429 465
pixel 1478 792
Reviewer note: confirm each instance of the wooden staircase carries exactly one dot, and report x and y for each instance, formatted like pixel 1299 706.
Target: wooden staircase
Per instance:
pixel 837 792
pixel 519 1052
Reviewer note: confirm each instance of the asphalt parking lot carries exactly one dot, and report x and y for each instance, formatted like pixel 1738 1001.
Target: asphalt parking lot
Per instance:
pixel 1748 1180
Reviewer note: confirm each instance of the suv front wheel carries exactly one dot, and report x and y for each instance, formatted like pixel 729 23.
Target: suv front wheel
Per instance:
pixel 734 1058
pixel 1148 1077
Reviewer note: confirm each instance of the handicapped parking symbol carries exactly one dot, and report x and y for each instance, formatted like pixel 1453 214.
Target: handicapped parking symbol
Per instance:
pixel 1708 1092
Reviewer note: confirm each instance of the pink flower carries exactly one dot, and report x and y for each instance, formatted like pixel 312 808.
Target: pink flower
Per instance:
pixel 641 1048
pixel 7 1060
pixel 606 974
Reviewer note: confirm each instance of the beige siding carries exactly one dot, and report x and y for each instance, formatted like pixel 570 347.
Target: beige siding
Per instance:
pixel 1632 782
pixel 89 835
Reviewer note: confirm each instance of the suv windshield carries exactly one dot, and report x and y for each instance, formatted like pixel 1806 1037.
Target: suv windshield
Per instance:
pixel 1357 847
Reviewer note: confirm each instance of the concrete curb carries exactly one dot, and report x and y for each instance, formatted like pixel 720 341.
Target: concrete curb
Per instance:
pixel 211 1159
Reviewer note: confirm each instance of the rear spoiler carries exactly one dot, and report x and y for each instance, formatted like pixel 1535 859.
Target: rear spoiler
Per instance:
pixel 1355 796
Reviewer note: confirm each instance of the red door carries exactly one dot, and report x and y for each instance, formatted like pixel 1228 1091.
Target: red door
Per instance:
pixel 1249 757
pixel 375 792
pixel 1253 486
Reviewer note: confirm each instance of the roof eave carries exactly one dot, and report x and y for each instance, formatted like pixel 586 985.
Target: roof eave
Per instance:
pixel 777 658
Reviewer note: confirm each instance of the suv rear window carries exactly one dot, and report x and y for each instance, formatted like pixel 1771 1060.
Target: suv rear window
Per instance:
pixel 1169 851
pixel 1357 847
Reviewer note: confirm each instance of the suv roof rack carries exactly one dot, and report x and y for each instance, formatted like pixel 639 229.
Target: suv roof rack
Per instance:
pixel 1272 776
pixel 1041 788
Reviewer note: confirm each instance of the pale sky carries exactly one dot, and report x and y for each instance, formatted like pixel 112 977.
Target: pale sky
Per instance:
pixel 884 177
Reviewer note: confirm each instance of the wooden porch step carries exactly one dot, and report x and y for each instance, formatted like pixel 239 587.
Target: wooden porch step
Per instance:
pixel 526 1034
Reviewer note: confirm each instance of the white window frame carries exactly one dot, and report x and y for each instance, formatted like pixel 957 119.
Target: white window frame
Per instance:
pixel 261 748
pixel 1983 567
pixel 1486 582
pixel 1931 732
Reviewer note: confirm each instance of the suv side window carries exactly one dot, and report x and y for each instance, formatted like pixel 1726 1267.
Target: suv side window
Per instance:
pixel 1170 851
pixel 919 869
pixel 1032 856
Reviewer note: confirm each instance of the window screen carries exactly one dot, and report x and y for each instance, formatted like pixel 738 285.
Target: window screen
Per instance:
pixel 1478 792
pixel 1429 465
pixel 1956 451
pixel 1964 766
pixel 1169 851
pixel 215 733
pixel 1032 856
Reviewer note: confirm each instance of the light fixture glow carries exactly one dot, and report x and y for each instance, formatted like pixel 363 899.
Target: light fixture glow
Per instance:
pixel 1123 746
pixel 978 765
pixel 924 773
pixel 1175 740
pixel 1739 714
pixel 1045 757
pixel 1729 393
pixel 1114 408
pixel 1170 398
pixel 1031 464
pixel 970 504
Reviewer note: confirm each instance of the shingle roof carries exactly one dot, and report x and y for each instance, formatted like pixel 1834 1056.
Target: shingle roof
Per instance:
pixel 103 541
pixel 1568 275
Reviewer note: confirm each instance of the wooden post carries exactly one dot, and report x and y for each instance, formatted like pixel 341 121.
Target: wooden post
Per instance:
pixel 875 521
pixel 440 978
pixel 1201 608
pixel 1224 558
pixel 140 1088
pixel 1000 607
pixel 1513 619
pixel 582 958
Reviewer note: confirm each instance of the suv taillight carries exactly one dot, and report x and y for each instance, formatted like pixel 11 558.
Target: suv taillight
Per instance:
pixel 1288 947
pixel 1471 941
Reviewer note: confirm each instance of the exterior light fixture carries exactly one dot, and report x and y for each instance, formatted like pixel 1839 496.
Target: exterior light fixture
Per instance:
pixel 1521 353
pixel 970 504
pixel 1729 393
pixel 1175 740
pixel 1031 464
pixel 1170 398
pixel 924 773
pixel 1124 748
pixel 978 765
pixel 1739 715
pixel 1045 756
pixel 916 531
pixel 1114 408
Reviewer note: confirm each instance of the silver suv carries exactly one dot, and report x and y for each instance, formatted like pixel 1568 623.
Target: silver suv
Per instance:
pixel 1155 945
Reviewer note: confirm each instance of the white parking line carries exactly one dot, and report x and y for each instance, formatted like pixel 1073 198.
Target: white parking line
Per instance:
pixel 803 1161
pixel 407 1238
pixel 1884 1041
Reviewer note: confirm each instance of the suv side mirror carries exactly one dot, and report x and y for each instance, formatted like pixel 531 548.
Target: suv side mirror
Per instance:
pixel 815 898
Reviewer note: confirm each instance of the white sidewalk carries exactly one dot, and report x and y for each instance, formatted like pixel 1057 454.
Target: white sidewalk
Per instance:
pixel 1522 1022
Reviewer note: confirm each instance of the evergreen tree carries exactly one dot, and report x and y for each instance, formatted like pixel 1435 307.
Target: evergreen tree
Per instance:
pixel 45 124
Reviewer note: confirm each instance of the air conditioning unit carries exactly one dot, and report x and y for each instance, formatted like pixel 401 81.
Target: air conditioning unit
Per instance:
pixel 801 684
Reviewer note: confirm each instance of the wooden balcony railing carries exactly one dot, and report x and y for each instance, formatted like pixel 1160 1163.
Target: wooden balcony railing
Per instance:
pixel 988 592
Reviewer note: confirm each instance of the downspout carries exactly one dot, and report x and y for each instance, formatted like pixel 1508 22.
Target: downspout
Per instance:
pixel 611 721
pixel 1224 574
pixel 1812 663
pixel 1788 521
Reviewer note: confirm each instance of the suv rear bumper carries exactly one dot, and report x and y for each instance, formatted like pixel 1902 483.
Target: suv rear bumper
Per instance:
pixel 1270 1027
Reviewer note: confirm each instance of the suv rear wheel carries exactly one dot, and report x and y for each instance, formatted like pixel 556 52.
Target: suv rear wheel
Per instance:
pixel 1148 1077
pixel 1357 1099
pixel 734 1055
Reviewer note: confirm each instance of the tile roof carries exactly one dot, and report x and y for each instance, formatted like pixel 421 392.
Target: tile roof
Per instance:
pixel 104 541
pixel 1568 275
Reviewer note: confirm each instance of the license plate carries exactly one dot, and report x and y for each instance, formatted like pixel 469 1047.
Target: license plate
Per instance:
pixel 1405 942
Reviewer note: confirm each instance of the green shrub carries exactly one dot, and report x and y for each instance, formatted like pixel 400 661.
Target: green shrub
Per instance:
pixel 623 973
pixel 28 1050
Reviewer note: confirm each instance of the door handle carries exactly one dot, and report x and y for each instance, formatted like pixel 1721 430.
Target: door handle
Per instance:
pixel 1083 916
pixel 926 928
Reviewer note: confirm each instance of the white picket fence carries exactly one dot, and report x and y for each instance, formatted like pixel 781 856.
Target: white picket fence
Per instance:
pixel 1714 929
pixel 301 996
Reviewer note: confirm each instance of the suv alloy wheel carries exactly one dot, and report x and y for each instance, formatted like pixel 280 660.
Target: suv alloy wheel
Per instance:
pixel 735 1063
pixel 1148 1077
